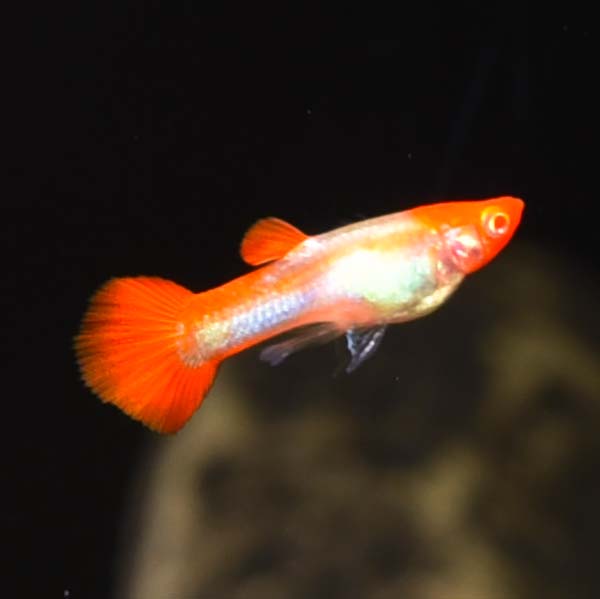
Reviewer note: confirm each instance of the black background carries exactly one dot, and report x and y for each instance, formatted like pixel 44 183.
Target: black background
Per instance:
pixel 146 139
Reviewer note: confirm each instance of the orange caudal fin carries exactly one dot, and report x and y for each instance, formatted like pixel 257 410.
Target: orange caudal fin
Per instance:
pixel 129 349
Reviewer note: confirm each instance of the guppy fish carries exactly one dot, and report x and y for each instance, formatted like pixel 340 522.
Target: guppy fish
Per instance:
pixel 153 348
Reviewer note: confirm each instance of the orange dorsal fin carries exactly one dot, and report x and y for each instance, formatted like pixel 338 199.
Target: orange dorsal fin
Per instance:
pixel 131 351
pixel 269 239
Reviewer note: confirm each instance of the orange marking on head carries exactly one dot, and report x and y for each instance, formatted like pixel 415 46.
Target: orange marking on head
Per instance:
pixel 495 221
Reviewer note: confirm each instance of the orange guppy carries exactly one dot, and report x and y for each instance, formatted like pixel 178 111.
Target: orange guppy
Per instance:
pixel 153 348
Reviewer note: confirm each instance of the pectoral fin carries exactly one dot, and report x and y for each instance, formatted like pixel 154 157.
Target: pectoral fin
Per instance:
pixel 362 343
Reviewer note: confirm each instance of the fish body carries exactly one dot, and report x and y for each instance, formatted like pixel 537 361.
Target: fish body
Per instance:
pixel 153 348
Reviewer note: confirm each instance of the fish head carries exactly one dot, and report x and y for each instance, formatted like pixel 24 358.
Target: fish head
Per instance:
pixel 480 230
pixel 474 232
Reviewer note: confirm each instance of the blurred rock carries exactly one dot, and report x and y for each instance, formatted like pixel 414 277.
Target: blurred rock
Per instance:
pixel 461 461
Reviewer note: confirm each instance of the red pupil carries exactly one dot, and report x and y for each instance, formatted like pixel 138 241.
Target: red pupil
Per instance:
pixel 499 222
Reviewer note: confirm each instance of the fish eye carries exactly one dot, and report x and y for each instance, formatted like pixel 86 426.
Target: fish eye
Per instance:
pixel 496 223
